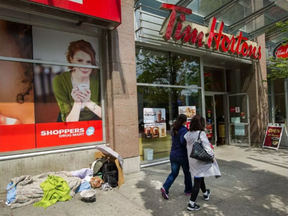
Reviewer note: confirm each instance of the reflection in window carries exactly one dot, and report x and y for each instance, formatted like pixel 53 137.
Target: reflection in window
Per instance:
pixel 172 69
pixel 238 80
pixel 279 98
pixel 214 79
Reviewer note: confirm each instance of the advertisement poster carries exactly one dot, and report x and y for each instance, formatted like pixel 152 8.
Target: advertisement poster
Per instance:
pixel 154 115
pixel 189 111
pixel 17 122
pixel 154 122
pixel 44 105
pixel 156 130
pixel 273 137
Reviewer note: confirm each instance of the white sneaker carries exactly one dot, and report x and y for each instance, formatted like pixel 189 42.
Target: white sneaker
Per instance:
pixel 206 197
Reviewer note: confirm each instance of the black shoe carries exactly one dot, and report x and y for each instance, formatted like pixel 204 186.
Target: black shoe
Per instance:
pixel 206 197
pixel 195 207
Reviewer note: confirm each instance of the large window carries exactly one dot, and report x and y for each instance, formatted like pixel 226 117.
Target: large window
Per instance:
pixel 50 88
pixel 276 96
pixel 238 80
pixel 168 84
pixel 214 79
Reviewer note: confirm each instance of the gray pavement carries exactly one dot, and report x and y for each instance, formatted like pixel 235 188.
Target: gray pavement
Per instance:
pixel 254 182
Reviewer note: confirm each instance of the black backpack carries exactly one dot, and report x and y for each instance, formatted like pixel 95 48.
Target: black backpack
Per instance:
pixel 110 173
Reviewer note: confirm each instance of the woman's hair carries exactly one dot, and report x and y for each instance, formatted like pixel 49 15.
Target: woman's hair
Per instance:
pixel 178 123
pixel 197 123
pixel 81 45
pixel 22 36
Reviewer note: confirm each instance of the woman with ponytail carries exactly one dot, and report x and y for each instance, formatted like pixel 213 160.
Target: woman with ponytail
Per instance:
pixel 178 157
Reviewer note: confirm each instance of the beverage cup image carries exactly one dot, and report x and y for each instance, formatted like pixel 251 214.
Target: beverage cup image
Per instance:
pixel 162 131
pixel 274 141
pixel 159 116
pixel 83 86
pixel 156 132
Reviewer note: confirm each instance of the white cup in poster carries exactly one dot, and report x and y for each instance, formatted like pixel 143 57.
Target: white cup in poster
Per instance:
pixel 154 115
pixel 189 111
pixel 162 128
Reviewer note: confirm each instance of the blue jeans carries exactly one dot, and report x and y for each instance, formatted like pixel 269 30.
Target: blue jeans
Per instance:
pixel 175 167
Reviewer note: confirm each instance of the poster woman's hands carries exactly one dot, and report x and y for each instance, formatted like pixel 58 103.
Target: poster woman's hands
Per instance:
pixel 75 94
pixel 85 95
pixel 76 108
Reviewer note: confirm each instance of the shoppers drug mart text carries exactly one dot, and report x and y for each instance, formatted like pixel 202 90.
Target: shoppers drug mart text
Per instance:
pixel 64 132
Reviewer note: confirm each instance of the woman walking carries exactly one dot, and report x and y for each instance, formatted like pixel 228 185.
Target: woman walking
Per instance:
pixel 200 169
pixel 178 157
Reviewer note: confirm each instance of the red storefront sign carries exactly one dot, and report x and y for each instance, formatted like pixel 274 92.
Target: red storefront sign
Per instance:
pixel 178 29
pixel 31 136
pixel 281 51
pixel 232 109
pixel 58 134
pixel 108 9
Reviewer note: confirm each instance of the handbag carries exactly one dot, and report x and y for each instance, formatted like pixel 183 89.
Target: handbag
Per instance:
pixel 199 153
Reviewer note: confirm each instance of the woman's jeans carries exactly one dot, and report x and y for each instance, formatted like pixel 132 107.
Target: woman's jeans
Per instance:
pixel 198 183
pixel 176 162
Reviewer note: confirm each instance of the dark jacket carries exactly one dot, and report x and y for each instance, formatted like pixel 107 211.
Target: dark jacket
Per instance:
pixel 178 148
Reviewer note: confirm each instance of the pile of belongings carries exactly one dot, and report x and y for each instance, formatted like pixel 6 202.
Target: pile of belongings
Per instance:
pixel 48 188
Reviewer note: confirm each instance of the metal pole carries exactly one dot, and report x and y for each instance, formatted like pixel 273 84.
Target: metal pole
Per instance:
pixel 202 86
pixel 272 102
pixel 286 100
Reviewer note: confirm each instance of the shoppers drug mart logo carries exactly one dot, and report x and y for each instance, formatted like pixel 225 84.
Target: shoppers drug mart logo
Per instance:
pixel 72 132
pixel 90 131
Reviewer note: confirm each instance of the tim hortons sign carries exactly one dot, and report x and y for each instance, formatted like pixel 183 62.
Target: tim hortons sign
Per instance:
pixel 176 26
pixel 281 51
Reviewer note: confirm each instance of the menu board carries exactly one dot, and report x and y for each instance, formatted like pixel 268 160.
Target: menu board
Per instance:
pixel 273 136
pixel 154 122
pixel 189 111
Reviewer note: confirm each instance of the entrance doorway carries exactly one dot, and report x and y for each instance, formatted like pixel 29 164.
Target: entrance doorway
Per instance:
pixel 239 119
pixel 215 105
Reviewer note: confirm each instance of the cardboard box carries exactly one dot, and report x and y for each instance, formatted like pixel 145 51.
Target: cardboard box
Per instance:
pixel 107 151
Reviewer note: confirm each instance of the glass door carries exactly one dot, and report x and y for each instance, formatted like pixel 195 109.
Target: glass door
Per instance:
pixel 210 119
pixel 239 119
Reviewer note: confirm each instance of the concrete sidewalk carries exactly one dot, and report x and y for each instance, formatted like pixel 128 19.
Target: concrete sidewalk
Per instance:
pixel 254 182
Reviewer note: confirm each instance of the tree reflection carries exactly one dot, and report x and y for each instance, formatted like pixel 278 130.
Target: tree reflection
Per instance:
pixel 175 70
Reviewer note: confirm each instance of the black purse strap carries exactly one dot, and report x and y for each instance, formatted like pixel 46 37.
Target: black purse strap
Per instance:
pixel 199 135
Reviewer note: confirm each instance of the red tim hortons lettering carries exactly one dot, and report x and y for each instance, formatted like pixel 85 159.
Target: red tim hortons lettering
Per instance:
pixel 178 29
pixel 186 35
pixel 172 18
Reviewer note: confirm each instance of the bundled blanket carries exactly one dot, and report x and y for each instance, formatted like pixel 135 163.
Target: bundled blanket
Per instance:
pixel 28 188
pixel 55 189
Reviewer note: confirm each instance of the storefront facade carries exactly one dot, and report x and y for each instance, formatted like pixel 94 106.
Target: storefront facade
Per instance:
pixel 180 71
pixel 66 85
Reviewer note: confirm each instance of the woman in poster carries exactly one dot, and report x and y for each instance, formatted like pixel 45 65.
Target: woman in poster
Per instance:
pixel 16 78
pixel 78 91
